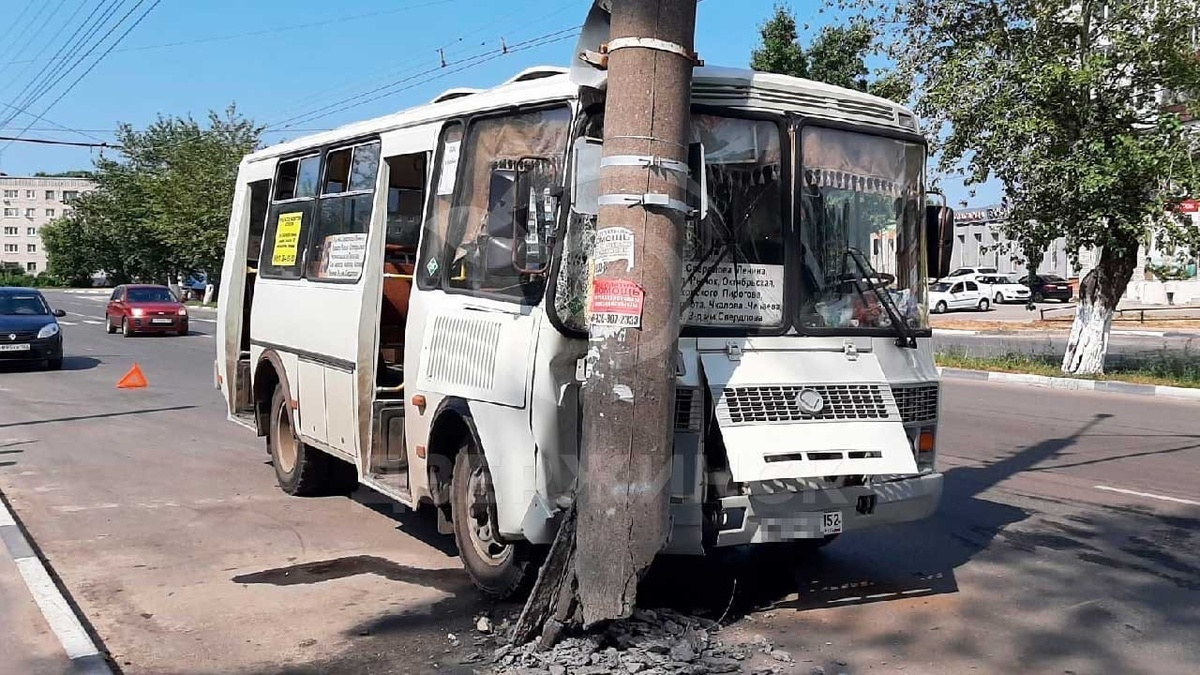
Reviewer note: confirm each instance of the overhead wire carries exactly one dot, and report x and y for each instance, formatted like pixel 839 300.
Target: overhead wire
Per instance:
pixel 269 31
pixel 18 99
pixel 33 34
pixel 73 59
pixel 90 68
pixel 13 24
pixel 438 72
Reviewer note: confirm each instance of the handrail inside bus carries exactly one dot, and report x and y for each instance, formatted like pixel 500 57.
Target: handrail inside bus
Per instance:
pixel 389 390
pixel 388 275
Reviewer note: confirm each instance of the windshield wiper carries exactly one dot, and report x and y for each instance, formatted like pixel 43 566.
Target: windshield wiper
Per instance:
pixel 906 338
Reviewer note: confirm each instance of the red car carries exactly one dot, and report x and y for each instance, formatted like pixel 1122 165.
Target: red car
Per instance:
pixel 139 308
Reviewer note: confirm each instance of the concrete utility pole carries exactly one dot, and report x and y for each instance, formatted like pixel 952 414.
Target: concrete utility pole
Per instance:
pixel 624 495
pixel 620 518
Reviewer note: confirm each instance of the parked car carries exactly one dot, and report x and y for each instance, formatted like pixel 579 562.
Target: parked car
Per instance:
pixel 947 295
pixel 29 330
pixel 1002 289
pixel 968 273
pixel 141 308
pixel 1051 287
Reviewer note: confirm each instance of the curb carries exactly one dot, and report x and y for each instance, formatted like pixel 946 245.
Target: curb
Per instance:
pixel 1046 333
pixel 60 613
pixel 1071 384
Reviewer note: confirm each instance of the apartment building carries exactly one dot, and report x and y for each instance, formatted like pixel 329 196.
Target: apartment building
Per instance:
pixel 29 204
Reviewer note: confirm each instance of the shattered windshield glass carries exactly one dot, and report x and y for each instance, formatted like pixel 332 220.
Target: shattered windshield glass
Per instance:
pixel 860 197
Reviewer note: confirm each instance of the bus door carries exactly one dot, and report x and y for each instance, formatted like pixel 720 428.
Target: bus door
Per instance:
pixel 485 252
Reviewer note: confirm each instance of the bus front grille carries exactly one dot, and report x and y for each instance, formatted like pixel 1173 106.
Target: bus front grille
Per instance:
pixel 774 404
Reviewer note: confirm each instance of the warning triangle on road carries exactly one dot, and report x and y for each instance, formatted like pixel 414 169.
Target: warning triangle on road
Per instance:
pixel 134 379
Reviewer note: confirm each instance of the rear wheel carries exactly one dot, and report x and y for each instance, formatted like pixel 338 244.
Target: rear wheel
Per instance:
pixel 301 470
pixel 984 305
pixel 500 569
pixel 1038 297
pixel 940 308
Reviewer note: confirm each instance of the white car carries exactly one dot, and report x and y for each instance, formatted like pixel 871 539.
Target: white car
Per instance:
pixel 963 273
pixel 1002 289
pixel 949 295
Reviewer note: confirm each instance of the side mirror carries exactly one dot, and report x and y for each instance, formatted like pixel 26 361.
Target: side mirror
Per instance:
pixel 59 313
pixel 939 240
pixel 698 199
pixel 585 174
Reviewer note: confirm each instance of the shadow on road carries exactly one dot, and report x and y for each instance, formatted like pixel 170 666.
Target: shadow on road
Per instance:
pixel 79 418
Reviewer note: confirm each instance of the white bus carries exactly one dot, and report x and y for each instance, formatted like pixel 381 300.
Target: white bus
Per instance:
pixel 396 311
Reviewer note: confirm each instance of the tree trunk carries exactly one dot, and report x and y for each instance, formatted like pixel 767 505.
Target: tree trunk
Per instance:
pixel 1099 293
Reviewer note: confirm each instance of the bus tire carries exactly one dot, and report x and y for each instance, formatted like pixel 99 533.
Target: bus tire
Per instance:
pixel 301 470
pixel 501 570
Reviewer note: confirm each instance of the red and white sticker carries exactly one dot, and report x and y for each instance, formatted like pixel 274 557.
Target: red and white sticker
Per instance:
pixel 617 302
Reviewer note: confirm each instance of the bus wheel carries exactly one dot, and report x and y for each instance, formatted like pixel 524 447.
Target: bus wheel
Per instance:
pixel 500 569
pixel 301 470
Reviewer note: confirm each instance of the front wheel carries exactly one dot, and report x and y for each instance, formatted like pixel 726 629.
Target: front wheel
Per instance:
pixel 500 569
pixel 984 305
pixel 940 308
pixel 999 298
pixel 108 325
pixel 54 364
pixel 126 329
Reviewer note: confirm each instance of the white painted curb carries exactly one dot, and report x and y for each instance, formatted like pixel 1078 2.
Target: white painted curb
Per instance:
pixel 950 331
pixel 1072 384
pixel 59 615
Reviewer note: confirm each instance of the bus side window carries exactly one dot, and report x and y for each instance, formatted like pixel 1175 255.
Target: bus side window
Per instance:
pixel 338 246
pixel 484 243
pixel 289 218
pixel 405 210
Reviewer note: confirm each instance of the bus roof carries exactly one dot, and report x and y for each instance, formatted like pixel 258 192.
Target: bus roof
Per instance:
pixel 726 87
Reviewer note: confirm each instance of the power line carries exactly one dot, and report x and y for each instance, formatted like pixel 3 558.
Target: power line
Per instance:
pixel 18 98
pixel 14 24
pixel 112 46
pixel 31 35
pixel 390 89
pixel 52 141
pixel 58 127
pixel 70 62
pixel 268 31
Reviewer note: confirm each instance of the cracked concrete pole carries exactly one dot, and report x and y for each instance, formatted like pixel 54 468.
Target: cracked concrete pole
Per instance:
pixel 624 488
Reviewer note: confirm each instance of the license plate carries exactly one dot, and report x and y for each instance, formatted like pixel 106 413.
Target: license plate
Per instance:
pixel 1062 288
pixel 831 522
pixel 14 348
pixel 160 321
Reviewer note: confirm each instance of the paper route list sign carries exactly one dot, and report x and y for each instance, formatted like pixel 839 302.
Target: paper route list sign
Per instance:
pixel 617 302
pixel 751 295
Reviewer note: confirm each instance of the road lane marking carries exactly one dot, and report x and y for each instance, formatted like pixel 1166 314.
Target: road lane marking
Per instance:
pixel 1147 495
pixel 55 609
pixel 68 323
pixel 92 322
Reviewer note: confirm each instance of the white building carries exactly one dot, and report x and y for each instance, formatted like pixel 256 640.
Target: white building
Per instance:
pixel 29 204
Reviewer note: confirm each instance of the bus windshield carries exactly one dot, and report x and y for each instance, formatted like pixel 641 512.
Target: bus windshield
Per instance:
pixel 861 201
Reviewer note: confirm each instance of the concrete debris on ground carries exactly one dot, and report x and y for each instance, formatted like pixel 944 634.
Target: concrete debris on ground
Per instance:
pixel 651 642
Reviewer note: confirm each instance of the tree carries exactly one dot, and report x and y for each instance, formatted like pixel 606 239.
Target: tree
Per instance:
pixel 1064 105
pixel 837 56
pixel 161 208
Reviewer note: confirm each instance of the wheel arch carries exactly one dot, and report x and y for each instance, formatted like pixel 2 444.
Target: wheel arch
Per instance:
pixel 269 373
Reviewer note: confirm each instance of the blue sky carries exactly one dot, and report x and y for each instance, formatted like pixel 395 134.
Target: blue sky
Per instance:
pixel 278 59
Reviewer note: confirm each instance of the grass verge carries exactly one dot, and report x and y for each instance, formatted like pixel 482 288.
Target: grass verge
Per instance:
pixel 1171 369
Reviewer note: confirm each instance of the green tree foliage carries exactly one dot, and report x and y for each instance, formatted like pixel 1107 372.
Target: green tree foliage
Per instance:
pixel 1064 104
pixel 837 55
pixel 161 208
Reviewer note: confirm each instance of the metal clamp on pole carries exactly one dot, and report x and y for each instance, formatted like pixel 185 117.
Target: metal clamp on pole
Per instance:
pixel 647 162
pixel 659 200
pixel 655 44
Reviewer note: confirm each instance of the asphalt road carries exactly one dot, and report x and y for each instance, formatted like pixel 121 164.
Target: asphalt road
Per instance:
pixel 1067 540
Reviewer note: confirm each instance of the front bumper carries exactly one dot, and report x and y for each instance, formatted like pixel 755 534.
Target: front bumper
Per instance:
pixel 1010 296
pixel 771 518
pixel 178 324
pixel 39 350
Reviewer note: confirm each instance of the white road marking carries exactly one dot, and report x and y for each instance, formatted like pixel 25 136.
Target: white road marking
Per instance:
pixel 55 608
pixel 1147 495
pixel 68 323
pixel 92 322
